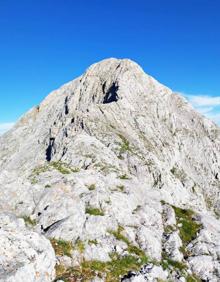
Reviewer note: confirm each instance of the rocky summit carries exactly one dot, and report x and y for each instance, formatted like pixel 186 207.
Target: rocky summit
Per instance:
pixel 113 177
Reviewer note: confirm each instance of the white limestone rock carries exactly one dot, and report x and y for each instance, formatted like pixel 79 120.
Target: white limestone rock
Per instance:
pixel 114 150
pixel 149 273
pixel 24 254
pixel 172 245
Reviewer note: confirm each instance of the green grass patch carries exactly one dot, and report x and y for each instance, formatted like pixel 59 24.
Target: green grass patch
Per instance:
pixel 34 181
pixel 60 271
pixel 75 169
pixel 117 234
pixel 169 229
pixel 112 270
pixel 168 263
pixel 192 278
pixel 93 242
pixel 80 246
pixel 135 250
pixel 188 226
pixel 181 267
pixel 131 249
pixel 40 169
pixel 124 145
pixel 62 247
pixel 29 221
pixel 106 168
pixel 94 211
pixel 124 177
pixel 61 167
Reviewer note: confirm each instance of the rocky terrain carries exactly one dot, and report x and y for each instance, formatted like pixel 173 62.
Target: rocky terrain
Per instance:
pixel 113 177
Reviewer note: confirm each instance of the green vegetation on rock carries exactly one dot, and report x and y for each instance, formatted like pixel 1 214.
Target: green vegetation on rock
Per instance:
pixel 112 270
pixel 93 242
pixel 92 187
pixel 180 267
pixel 117 234
pixel 192 278
pixel 131 249
pixel 29 221
pixel 124 177
pixel 168 263
pixel 94 211
pixel 121 188
pixel 80 246
pixel 125 145
pixel 63 167
pixel 59 166
pixel 188 226
pixel 62 247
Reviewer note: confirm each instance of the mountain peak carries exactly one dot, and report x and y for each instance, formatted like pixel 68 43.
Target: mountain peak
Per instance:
pixel 112 64
pixel 119 168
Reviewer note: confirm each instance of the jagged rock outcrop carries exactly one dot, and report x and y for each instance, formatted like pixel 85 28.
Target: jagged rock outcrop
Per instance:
pixel 121 174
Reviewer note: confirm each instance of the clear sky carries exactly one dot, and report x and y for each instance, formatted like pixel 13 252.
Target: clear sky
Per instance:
pixel 45 43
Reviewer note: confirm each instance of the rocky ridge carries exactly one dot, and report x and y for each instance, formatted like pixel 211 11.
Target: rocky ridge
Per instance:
pixel 119 175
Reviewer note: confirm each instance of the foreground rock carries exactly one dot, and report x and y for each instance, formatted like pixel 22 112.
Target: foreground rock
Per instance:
pixel 24 254
pixel 121 175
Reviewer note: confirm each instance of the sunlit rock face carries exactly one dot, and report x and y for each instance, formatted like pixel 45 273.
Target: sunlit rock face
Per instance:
pixel 121 175
pixel 24 255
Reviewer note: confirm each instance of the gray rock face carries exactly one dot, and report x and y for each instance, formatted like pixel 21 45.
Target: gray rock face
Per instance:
pixel 24 254
pixel 103 162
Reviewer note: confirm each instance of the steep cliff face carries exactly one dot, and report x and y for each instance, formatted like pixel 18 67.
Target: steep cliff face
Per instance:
pixel 123 173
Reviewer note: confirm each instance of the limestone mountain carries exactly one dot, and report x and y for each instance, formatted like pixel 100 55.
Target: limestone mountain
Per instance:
pixel 120 174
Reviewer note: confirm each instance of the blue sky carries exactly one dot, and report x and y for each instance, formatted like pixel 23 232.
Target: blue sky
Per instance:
pixel 45 43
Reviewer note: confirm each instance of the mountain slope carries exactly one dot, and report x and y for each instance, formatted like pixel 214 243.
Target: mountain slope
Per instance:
pixel 103 163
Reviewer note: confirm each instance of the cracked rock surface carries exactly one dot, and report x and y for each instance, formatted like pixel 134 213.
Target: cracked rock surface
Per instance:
pixel 120 175
pixel 24 255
